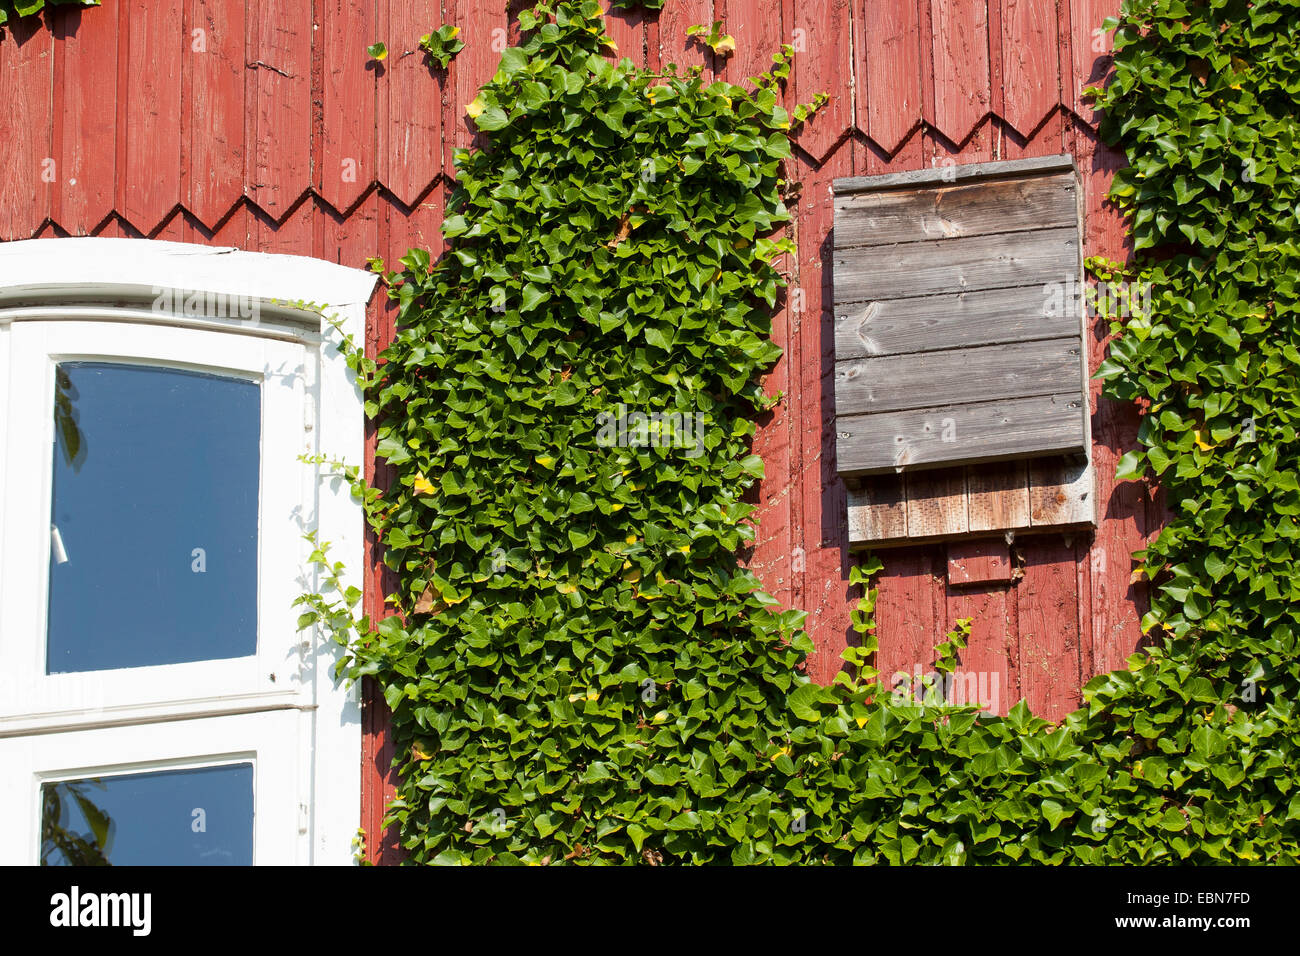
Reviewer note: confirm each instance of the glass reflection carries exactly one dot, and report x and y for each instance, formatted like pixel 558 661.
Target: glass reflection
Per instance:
pixel 195 817
pixel 153 556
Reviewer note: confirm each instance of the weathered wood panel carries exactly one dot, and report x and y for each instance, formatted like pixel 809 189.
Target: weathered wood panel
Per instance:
pixel 906 215
pixel 956 265
pixel 960 434
pixel 998 496
pixel 964 320
pixel 936 503
pixel 1021 498
pixel 957 376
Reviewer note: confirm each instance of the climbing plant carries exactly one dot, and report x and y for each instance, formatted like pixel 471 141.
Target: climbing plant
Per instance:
pixel 579 667
pixel 11 10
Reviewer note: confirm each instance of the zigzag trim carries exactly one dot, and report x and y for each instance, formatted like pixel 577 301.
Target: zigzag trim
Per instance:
pixel 375 187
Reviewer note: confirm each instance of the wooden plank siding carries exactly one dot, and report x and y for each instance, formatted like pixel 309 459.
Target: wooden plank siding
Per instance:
pixel 916 85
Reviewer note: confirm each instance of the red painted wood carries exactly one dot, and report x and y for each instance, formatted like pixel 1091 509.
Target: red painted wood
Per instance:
pixel 990 657
pixel 627 28
pixel 909 614
pixel 674 45
pixel 960 74
pixel 1085 50
pixel 888 68
pixel 215 108
pixel 484 30
pixel 347 167
pixel 280 81
pixel 1030 57
pixel 86 64
pixel 29 172
pixel 980 561
pixel 822 585
pixel 759 32
pixel 151 178
pixel 410 97
pixel 820 36
pixel 1048 605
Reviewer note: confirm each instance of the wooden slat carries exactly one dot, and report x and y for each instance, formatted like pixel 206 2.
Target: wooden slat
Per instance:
pixel 29 174
pixel 1089 54
pixel 960 376
pixel 959 30
pixel 980 501
pixel 214 110
pixel 936 503
pixel 1061 492
pixel 1030 81
pixel 674 45
pixel 960 434
pixel 887 37
pixel 950 265
pixel 907 612
pixel 627 29
pixel 88 77
pixel 997 206
pixel 998 496
pixel 483 27
pixel 410 135
pixel 955 175
pixel 348 165
pixel 279 64
pixel 152 178
pixel 963 320
pixel 820 34
pixel 1047 602
pixel 982 561
pixel 877 509
pixel 987 674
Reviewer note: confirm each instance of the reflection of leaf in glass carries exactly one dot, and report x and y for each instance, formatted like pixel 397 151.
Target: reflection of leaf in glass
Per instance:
pixel 60 845
pixel 71 439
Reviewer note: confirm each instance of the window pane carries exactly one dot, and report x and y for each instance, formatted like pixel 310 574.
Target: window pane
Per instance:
pixel 153 556
pixel 199 817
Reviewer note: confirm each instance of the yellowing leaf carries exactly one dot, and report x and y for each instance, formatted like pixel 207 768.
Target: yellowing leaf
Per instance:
pixel 422 485
pixel 726 44
pixel 546 461
pixel 476 108
pixel 455 32
pixel 566 588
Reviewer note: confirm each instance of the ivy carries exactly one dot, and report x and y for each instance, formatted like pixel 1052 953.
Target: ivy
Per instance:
pixel 580 669
pixel 18 9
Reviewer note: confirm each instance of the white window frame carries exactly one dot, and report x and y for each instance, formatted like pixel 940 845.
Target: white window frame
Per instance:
pixel 94 299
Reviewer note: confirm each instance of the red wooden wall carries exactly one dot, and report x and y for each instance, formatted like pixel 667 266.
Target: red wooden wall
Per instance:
pixel 261 125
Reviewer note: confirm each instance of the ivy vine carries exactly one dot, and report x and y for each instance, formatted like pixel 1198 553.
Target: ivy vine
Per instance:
pixel 11 10
pixel 580 669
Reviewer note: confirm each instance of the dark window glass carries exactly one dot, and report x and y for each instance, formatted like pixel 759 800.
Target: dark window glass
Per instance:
pixel 153 556
pixel 199 817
